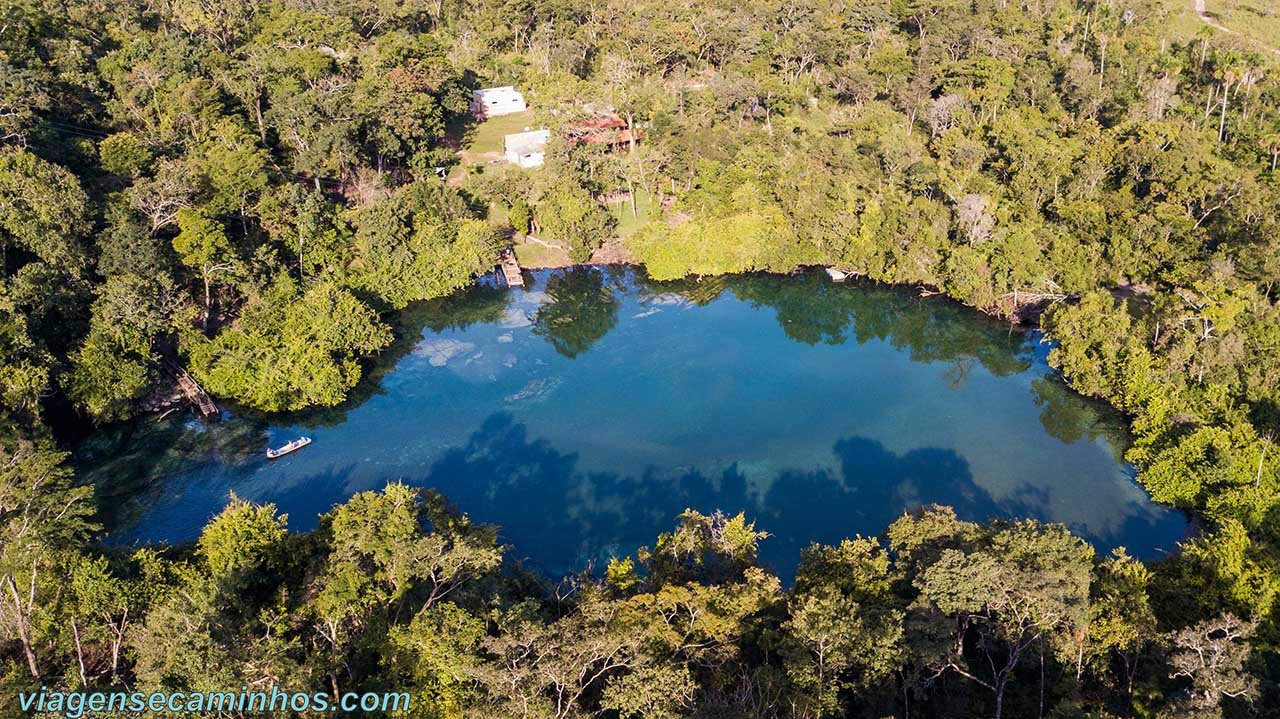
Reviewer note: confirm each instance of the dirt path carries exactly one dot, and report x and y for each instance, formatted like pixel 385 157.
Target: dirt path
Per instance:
pixel 544 243
pixel 1203 13
pixel 1207 19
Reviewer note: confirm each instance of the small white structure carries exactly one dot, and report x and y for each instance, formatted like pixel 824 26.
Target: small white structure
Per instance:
pixel 494 101
pixel 526 149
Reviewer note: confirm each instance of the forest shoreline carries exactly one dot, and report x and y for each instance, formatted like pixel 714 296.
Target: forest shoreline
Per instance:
pixel 1026 319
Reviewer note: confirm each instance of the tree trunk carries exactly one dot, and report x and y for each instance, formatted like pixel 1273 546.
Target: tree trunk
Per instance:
pixel 257 107
pixel 906 700
pixel 1222 122
pixel 1261 458
pixel 75 632
pixel 24 628
pixel 1102 69
pixel 207 303
pixel 1040 715
pixel 115 643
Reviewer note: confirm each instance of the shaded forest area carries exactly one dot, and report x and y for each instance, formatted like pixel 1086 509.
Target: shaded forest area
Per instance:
pixel 249 190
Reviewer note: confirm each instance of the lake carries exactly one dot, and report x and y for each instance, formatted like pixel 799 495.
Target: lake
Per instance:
pixel 583 413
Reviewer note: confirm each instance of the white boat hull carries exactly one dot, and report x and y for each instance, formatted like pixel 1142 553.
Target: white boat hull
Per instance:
pixel 293 446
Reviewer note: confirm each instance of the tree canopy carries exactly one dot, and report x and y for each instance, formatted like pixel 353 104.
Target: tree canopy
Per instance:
pixel 248 191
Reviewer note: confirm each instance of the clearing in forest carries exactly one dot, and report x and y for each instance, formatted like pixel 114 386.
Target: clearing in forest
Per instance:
pixel 481 143
pixel 1256 20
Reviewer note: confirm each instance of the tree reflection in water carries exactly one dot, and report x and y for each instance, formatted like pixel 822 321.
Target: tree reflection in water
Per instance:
pixel 579 311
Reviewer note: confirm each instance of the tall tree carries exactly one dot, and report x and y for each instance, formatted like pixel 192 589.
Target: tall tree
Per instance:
pixel 202 244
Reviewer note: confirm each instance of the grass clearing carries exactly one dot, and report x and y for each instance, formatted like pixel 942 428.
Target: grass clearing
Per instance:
pixel 1255 19
pixel 498 214
pixel 1183 23
pixel 487 136
pixel 534 255
pixel 628 225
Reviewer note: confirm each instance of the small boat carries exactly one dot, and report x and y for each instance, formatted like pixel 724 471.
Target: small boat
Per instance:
pixel 293 446
pixel 836 275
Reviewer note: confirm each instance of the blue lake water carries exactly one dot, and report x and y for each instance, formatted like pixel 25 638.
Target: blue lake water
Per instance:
pixel 583 413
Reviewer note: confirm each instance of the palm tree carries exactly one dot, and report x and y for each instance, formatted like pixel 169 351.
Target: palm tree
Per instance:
pixel 1166 66
pixel 1228 72
pixel 1271 145
pixel 1253 73
pixel 1205 34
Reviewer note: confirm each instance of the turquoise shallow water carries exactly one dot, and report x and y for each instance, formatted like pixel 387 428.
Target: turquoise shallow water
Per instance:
pixel 583 413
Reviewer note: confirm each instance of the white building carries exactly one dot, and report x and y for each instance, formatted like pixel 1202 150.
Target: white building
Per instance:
pixel 526 149
pixel 494 101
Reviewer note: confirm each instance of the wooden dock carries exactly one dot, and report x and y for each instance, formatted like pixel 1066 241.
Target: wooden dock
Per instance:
pixel 195 393
pixel 511 269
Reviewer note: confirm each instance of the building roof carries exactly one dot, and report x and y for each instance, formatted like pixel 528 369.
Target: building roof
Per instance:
pixel 523 143
pixel 490 92
pixel 609 122
pixel 606 129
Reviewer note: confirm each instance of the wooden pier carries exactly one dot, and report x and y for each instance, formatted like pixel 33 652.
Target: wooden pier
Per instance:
pixel 511 269
pixel 194 392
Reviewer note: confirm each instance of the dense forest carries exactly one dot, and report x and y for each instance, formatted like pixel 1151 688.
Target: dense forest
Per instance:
pixel 249 192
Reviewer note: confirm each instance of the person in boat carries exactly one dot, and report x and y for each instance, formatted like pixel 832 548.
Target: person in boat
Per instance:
pixel 293 446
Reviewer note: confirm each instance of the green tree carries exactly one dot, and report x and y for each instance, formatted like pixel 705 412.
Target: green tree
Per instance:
pixel 116 364
pixel 25 365
pixel 440 647
pixel 711 548
pixel 309 226
pixel 419 244
pixel 104 608
pixel 291 349
pixel 235 169
pixel 43 209
pixel 393 554
pixel 202 245
pixel 1121 621
pixel 44 520
pixel 124 154
pixel 244 540
pixel 521 215
pixel 126 245
pixel 568 214
pixel 844 631
pixel 1018 588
